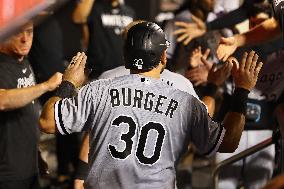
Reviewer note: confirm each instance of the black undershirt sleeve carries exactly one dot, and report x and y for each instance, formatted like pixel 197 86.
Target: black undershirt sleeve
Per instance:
pixel 232 18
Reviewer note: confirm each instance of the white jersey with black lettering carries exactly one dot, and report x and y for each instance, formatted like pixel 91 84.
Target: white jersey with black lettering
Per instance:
pixel 139 128
pixel 171 78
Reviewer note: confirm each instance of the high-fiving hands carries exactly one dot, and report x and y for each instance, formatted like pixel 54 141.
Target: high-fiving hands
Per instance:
pixel 246 72
pixel 200 67
pixel 219 75
pixel 75 71
pixel 226 48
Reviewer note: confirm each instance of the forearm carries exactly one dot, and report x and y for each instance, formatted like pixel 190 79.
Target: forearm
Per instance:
pixel 234 124
pixel 264 32
pixel 82 167
pixel 84 148
pixel 11 99
pixel 82 11
pixel 209 101
pixel 228 20
pixel 47 120
pixel 234 121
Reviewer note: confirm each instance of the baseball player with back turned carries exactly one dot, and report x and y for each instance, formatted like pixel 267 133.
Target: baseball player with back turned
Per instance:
pixel 139 126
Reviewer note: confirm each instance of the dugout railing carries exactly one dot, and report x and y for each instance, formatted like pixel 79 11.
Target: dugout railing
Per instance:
pixel 218 167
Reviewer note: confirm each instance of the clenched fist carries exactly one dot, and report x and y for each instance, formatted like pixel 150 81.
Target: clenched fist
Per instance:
pixel 54 81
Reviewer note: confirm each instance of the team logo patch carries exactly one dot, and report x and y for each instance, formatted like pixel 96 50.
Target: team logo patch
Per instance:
pixel 138 63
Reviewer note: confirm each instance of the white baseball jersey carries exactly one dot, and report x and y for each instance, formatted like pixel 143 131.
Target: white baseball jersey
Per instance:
pixel 173 79
pixel 139 128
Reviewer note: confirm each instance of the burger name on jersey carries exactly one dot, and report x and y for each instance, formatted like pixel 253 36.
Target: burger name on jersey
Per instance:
pixel 143 100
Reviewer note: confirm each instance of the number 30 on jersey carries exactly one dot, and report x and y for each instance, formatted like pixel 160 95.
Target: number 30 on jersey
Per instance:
pixel 128 139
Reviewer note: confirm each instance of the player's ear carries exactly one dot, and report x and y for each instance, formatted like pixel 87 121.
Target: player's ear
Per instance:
pixel 164 58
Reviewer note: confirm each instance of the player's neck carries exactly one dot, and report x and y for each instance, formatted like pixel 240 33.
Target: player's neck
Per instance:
pixel 155 73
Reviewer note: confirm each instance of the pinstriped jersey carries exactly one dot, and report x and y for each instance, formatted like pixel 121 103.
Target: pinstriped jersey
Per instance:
pixel 139 128
pixel 171 78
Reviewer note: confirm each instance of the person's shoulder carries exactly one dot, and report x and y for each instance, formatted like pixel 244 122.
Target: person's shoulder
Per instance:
pixel 179 81
pixel 115 72
pixel 109 81
pixel 176 90
pixel 105 81
pixel 180 78
pixel 168 73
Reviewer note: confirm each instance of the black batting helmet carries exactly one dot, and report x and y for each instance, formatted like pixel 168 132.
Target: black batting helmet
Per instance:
pixel 144 45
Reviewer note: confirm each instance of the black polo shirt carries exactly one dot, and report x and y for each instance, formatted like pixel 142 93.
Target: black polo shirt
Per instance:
pixel 106 23
pixel 19 133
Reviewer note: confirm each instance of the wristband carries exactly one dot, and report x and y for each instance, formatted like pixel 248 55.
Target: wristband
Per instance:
pixel 82 170
pixel 239 100
pixel 65 90
pixel 210 90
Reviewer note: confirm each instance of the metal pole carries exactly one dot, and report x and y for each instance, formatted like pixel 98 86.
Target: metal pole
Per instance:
pixel 238 157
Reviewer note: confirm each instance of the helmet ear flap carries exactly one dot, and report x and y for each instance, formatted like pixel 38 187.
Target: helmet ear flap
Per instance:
pixel 144 45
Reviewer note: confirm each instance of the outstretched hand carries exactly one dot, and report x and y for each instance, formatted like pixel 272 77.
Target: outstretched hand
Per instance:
pixel 219 75
pixel 226 48
pixel 190 31
pixel 195 57
pixel 75 71
pixel 199 74
pixel 246 72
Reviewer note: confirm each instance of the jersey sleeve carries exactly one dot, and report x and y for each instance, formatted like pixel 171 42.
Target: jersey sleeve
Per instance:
pixel 206 134
pixel 71 114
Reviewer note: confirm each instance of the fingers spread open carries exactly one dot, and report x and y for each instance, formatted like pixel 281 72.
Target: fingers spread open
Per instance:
pixel 180 31
pixel 195 19
pixel 182 37
pixel 249 60
pixel 182 24
pixel 243 62
pixel 258 68
pixel 206 63
pixel 206 53
pixel 253 64
pixel 236 66
pixel 83 62
pixel 188 39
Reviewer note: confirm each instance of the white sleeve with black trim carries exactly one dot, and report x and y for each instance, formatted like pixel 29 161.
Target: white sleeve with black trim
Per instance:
pixel 71 114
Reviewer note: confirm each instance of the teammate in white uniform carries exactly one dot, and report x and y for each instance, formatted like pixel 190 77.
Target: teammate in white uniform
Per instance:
pixel 173 79
pixel 139 125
